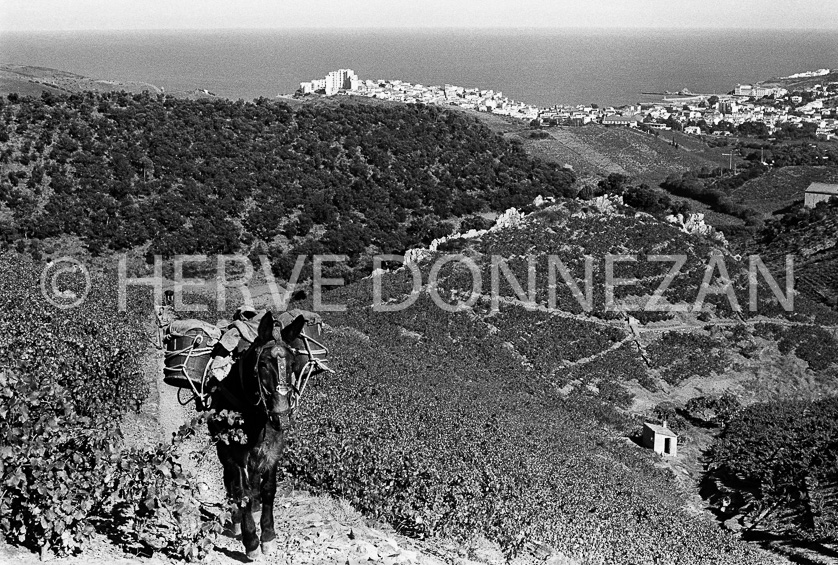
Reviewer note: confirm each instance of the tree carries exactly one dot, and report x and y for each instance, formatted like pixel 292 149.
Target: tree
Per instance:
pixel 674 124
pixel 648 199
pixel 753 129
pixel 718 410
pixel 615 183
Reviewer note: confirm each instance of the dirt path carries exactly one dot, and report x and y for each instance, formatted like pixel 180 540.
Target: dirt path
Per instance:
pixel 310 530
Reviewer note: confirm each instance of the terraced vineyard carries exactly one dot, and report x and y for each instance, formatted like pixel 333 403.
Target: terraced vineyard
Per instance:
pixel 511 423
pixel 819 279
pixel 811 238
pixel 436 426
pixel 500 407
pixel 778 188
pixel 600 150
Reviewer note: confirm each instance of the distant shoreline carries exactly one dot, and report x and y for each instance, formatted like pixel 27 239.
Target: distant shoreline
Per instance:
pixel 542 67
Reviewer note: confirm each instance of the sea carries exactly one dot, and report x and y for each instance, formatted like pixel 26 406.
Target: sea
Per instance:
pixel 538 66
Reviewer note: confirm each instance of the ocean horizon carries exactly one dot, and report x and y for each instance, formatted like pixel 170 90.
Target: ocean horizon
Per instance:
pixel 533 65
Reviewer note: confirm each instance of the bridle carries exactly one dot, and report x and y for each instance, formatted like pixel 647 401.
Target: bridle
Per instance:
pixel 260 386
pixel 295 383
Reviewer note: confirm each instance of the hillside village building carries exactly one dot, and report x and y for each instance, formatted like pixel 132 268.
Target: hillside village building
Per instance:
pixel 335 81
pixel 818 192
pixel 341 79
pixel 625 121
pixel 661 439
pixel 759 91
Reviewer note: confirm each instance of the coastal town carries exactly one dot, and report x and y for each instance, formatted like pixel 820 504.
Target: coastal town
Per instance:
pixel 760 109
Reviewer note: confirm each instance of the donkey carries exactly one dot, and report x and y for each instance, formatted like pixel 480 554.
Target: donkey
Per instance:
pixel 259 388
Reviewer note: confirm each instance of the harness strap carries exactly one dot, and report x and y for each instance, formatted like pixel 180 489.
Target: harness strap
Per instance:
pixel 296 384
pixel 313 364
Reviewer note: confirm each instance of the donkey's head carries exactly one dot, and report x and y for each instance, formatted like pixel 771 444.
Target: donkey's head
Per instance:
pixel 272 358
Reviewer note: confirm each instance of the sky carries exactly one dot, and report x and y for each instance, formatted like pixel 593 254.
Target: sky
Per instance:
pixel 73 15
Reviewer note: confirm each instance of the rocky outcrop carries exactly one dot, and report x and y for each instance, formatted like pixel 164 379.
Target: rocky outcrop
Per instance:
pixel 694 224
pixel 510 218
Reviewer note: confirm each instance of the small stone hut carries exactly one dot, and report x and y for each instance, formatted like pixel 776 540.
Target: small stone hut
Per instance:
pixel 661 439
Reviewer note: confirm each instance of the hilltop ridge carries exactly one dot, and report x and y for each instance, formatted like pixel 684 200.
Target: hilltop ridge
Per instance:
pixel 28 80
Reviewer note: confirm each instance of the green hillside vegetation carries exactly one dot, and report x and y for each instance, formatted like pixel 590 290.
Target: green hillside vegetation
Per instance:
pixel 180 176
pixel 27 80
pixel 436 427
pixel 755 191
pixel 711 187
pixel 450 424
pixel 774 466
pixel 597 151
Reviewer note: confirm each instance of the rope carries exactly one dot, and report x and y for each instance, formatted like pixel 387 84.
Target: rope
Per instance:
pixel 184 402
pixel 308 369
pixel 298 383
pixel 189 351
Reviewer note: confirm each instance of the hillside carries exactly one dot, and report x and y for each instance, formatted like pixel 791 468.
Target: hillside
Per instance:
pixel 594 150
pixel 122 171
pixel 779 188
pixel 433 402
pixel 87 433
pixel 649 159
pixel 26 80
pixel 33 81
pixel 802 83
pixel 467 424
pixel 811 237
pixel 513 424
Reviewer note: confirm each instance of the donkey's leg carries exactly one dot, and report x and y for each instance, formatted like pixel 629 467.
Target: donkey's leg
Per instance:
pixel 249 535
pixel 233 488
pixel 268 493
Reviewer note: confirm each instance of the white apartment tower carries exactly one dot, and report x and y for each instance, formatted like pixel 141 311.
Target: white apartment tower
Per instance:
pixel 341 79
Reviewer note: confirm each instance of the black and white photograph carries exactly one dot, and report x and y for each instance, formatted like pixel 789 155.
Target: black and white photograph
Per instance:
pixel 389 282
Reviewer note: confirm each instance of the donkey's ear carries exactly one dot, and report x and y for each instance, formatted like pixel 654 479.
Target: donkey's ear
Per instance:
pixel 292 330
pixel 266 328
